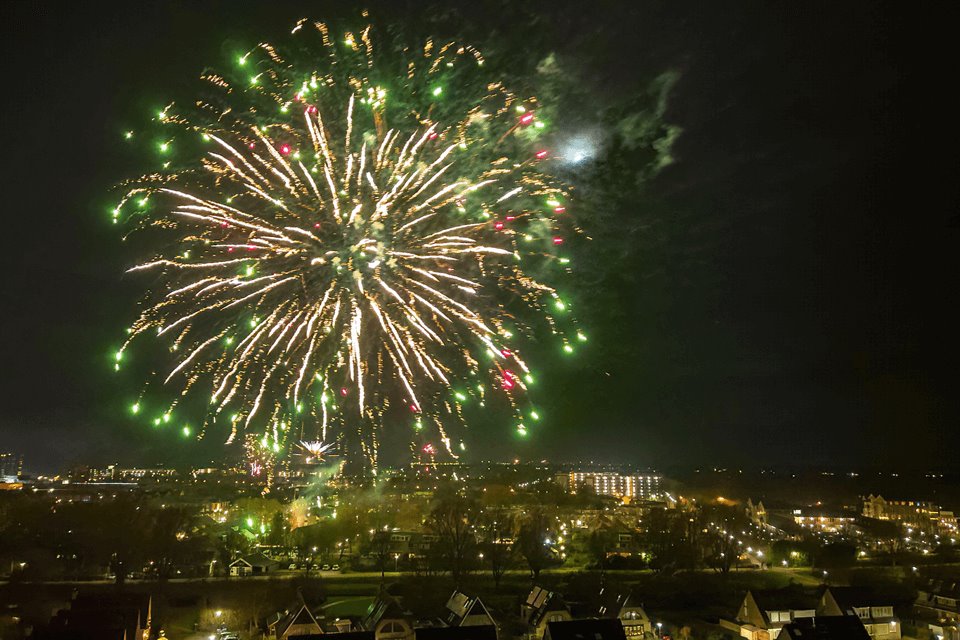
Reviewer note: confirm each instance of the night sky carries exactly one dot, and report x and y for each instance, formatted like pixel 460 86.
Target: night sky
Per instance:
pixel 783 294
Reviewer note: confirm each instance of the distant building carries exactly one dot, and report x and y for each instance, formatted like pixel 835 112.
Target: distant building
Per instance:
pixel 825 628
pixel 874 611
pixel 152 473
pixel 757 513
pixel 253 565
pixel 11 467
pixel 824 521
pixel 408 545
pixel 609 483
pixel 925 516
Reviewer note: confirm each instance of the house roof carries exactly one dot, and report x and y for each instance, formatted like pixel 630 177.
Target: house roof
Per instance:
pixel 541 602
pixel 849 597
pixel 591 629
pixel 298 615
pixel 610 602
pixel 475 632
pixel 786 599
pixel 254 560
pixel 825 628
pixel 943 588
pixel 460 605
pixel 385 606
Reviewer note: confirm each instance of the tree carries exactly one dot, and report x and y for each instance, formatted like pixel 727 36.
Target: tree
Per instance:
pixel 229 545
pixel 673 539
pixel 837 555
pixel 498 526
pixel 886 532
pixel 123 540
pixel 167 540
pixel 601 541
pixel 380 549
pixel 722 544
pixel 451 520
pixel 532 542
pixel 788 553
pixel 279 528
pixel 320 538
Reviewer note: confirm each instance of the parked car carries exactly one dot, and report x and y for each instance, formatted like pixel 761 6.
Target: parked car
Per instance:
pixel 335 567
pixel 325 567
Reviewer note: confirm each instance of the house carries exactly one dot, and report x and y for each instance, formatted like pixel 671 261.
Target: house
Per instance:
pixel 541 608
pixel 762 614
pixel 619 604
pixel 407 545
pixel 467 611
pixel 939 599
pixel 107 617
pixel 298 621
pixel 387 619
pixel 590 629
pixel 938 603
pixel 254 565
pixel 843 627
pixel 470 632
pixel 874 611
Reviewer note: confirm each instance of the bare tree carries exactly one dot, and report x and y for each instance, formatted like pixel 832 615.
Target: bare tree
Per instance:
pixel 451 519
pixel 532 542
pixel 499 527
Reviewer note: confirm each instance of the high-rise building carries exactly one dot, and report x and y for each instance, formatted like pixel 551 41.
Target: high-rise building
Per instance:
pixel 610 483
pixel 11 466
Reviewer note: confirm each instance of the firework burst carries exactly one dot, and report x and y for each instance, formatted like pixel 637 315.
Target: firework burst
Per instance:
pixel 349 247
